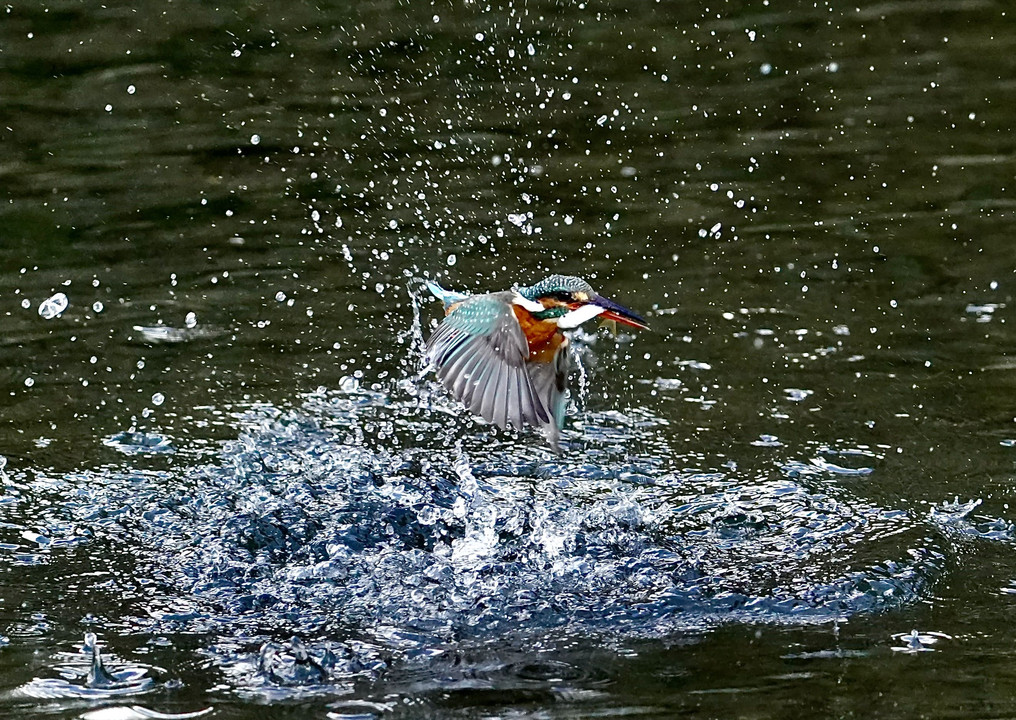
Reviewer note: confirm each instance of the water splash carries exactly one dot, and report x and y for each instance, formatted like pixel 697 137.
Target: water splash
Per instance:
pixel 917 642
pixel 88 675
pixel 318 524
pixel 132 442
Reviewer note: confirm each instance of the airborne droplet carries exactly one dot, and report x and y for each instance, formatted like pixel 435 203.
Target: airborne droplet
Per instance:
pixel 53 306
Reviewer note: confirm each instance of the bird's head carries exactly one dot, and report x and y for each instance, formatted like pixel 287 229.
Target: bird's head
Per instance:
pixel 572 301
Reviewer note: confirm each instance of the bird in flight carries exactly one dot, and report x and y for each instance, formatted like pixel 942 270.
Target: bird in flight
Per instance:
pixel 503 355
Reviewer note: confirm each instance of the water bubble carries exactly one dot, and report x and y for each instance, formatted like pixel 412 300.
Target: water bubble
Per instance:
pixel 131 89
pixel 26 303
pixel 51 307
pixel 280 296
pixel 766 68
pixel 29 382
pixel 191 320
pixel 255 139
pixel 158 398
pixel 452 259
pixel 97 306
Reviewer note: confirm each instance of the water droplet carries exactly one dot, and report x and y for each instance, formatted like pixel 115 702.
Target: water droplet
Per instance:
pixel 51 307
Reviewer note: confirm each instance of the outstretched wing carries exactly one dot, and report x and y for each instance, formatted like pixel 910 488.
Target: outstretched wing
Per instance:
pixel 480 353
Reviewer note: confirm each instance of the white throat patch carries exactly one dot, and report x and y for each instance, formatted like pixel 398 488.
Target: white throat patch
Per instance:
pixel 578 316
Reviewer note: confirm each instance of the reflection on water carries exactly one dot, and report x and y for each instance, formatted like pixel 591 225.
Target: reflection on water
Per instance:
pixel 219 455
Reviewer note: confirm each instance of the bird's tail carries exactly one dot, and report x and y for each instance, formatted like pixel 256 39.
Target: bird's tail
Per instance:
pixel 448 297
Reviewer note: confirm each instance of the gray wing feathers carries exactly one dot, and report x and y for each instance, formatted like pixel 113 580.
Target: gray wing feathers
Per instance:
pixel 488 372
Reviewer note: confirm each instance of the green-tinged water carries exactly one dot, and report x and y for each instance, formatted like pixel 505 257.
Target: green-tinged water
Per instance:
pixel 228 486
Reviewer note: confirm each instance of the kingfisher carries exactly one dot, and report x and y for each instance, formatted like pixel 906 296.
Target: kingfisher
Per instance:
pixel 503 355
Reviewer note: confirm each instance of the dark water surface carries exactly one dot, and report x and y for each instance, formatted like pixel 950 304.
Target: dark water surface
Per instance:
pixel 227 486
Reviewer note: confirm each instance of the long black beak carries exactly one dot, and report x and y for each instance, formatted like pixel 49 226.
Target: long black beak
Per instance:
pixel 614 311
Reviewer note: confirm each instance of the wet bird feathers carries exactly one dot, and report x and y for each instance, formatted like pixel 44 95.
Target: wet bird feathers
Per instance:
pixel 486 361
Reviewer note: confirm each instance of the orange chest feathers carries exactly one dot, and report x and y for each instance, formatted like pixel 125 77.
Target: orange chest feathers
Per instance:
pixel 543 336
